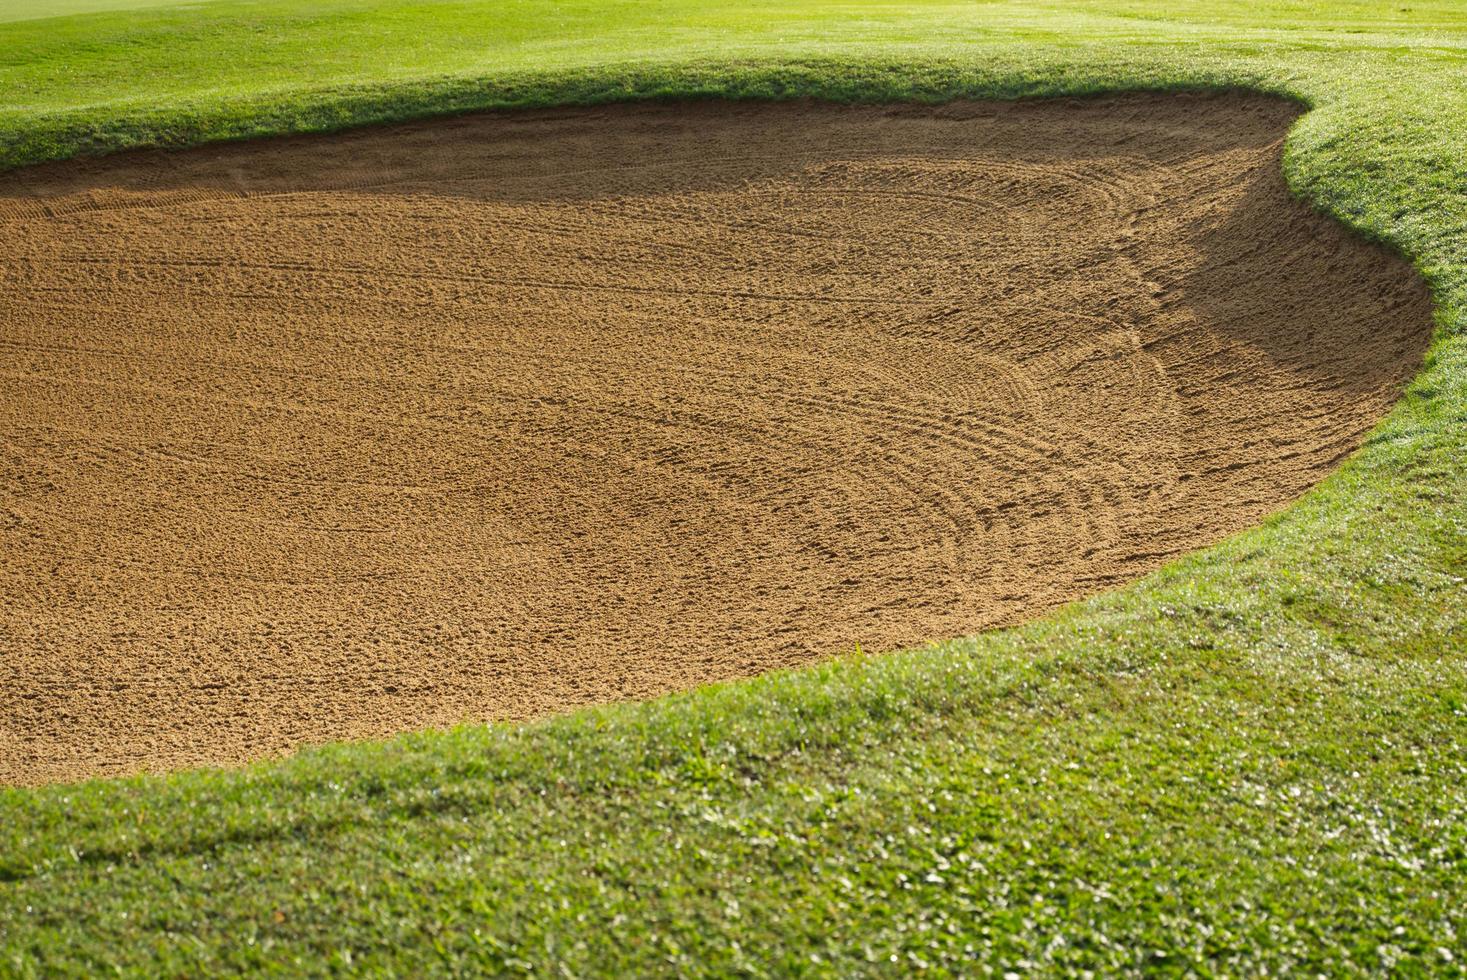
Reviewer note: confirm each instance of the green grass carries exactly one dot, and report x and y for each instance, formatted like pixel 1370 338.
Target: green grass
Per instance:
pixel 1254 760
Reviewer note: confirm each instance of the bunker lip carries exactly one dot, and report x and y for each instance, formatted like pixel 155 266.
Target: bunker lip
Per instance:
pixel 493 417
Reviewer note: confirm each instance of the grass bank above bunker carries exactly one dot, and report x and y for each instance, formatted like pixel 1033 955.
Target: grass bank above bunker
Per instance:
pixel 339 437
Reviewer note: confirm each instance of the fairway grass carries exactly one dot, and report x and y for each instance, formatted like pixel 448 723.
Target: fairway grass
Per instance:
pixel 1254 759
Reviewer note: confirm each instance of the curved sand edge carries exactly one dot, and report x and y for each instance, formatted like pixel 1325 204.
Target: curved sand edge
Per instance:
pixel 337 437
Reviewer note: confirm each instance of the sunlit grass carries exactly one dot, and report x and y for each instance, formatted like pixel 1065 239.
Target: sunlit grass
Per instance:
pixel 1256 758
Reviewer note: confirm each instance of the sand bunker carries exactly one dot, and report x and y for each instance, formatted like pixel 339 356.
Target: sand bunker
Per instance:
pixel 488 418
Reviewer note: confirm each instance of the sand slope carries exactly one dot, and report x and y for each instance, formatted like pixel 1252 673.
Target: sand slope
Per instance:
pixel 492 417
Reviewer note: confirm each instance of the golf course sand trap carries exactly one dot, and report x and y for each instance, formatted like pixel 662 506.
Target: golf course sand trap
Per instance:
pixel 487 418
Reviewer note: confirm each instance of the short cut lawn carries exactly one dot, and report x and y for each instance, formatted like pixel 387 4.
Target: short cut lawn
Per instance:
pixel 1253 760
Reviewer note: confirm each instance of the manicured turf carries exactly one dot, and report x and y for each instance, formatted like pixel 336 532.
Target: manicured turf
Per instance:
pixel 1256 758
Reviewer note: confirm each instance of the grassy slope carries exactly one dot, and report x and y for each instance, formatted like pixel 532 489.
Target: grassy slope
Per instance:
pixel 1255 758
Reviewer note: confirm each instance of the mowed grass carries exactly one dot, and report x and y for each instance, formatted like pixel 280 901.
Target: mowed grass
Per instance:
pixel 1254 760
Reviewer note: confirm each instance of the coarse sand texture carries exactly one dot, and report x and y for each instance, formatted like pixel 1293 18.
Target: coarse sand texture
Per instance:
pixel 487 418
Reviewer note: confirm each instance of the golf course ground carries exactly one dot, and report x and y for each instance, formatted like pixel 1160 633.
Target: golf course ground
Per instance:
pixel 1211 257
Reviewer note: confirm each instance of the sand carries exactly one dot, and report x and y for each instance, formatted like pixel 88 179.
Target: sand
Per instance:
pixel 488 418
